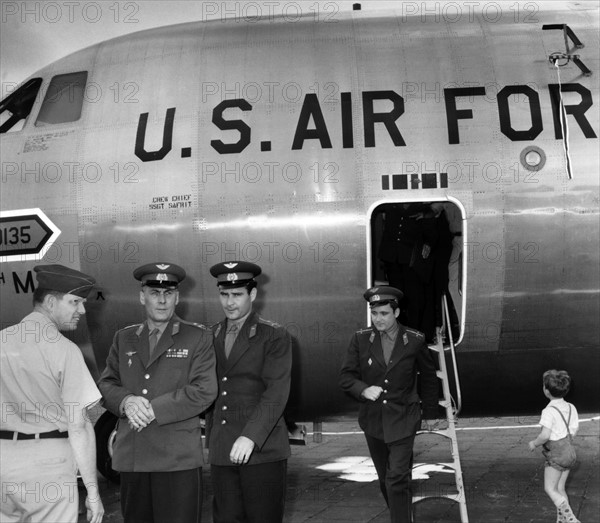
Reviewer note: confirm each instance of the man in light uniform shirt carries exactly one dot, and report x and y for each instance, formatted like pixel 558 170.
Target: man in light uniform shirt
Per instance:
pixel 45 391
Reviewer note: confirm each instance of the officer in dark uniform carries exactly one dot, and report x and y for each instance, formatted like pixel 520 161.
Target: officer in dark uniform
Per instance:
pixel 159 377
pixel 409 237
pixel 247 435
pixel 380 370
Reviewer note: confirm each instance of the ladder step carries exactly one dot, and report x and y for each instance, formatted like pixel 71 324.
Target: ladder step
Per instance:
pixel 443 432
pixel 458 497
pixel 435 348
pixel 451 465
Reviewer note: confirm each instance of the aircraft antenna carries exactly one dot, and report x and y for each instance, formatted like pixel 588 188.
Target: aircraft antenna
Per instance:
pixel 568 35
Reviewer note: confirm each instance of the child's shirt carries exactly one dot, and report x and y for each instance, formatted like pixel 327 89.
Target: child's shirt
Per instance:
pixel 552 420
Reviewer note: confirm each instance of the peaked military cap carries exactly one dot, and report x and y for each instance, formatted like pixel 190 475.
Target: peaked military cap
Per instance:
pixel 63 279
pixel 235 273
pixel 165 275
pixel 383 293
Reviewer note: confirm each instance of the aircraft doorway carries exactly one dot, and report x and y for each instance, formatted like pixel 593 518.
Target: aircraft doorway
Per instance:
pixel 417 247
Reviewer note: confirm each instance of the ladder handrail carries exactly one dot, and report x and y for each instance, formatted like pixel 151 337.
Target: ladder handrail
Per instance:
pixel 448 330
pixel 451 414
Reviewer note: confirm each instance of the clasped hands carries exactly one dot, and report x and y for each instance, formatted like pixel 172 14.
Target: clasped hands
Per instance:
pixel 139 412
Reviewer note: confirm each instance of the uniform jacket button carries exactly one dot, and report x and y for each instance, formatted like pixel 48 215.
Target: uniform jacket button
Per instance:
pixel 147 376
pixel 144 391
pixel 223 422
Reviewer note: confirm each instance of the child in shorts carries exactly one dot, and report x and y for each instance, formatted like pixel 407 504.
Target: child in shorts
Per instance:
pixel 559 422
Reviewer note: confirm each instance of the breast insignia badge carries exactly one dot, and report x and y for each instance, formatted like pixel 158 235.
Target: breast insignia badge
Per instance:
pixel 129 354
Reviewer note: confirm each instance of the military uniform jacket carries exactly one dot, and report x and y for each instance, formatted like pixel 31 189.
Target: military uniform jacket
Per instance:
pixel 180 383
pixel 254 384
pixel 402 233
pixel 396 414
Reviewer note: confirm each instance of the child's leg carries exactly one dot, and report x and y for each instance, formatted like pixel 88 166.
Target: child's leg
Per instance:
pixel 559 495
pixel 561 486
pixel 551 480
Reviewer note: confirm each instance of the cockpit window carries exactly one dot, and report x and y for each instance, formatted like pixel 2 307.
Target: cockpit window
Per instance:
pixel 17 106
pixel 63 100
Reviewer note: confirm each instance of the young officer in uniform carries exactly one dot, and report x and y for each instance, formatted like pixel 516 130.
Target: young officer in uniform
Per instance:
pixel 45 391
pixel 159 378
pixel 247 435
pixel 380 370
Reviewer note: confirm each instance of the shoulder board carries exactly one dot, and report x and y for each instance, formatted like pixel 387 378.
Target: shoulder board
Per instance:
pixel 269 323
pixel 137 326
pixel 194 324
pixel 418 334
pixel 134 326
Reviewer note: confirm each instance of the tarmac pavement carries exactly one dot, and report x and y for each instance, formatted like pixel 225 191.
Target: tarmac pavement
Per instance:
pixel 334 480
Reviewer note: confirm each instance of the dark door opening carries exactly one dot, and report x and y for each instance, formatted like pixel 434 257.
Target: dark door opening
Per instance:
pixel 417 247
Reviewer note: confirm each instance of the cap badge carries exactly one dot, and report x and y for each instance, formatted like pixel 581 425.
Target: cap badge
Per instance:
pixel 232 276
pixel 162 266
pixel 375 297
pixel 162 277
pixel 230 265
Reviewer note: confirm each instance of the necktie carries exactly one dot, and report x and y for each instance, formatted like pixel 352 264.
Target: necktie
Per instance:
pixel 387 352
pixel 153 340
pixel 387 345
pixel 230 338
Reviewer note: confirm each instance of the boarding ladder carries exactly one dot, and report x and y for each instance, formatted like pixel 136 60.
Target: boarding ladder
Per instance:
pixel 452 410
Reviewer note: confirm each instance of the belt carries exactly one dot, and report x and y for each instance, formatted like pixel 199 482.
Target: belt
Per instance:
pixel 9 434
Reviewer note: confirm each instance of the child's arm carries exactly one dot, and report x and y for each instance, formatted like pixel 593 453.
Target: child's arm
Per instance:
pixel 543 436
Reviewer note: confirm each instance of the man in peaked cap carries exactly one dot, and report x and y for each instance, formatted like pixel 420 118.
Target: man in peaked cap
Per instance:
pixel 247 435
pixel 45 392
pixel 380 370
pixel 159 378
